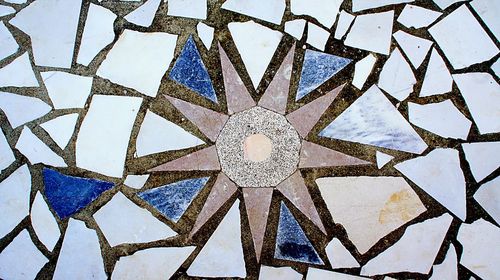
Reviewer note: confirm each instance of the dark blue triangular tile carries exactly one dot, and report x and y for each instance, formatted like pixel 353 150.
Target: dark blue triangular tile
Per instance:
pixel 292 243
pixel 190 71
pixel 317 68
pixel 68 195
pixel 172 200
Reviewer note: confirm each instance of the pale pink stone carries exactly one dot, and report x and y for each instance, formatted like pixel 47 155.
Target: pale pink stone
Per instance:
pixel 205 159
pixel 257 202
pixel 314 155
pixel 257 147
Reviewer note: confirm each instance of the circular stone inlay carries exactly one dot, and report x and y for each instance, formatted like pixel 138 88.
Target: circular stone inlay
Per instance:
pixel 258 148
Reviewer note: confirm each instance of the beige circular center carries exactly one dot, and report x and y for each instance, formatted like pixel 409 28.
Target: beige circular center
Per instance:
pixel 257 147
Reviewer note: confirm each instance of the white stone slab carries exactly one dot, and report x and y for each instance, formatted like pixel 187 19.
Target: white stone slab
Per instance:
pixel 317 36
pixel 417 17
pixel 343 24
pixel 14 199
pixel 372 32
pixel 396 77
pixel 325 11
pixel 61 129
pixel 136 181
pixel 52 36
pixel 206 34
pixel 159 135
pixel 6 10
pixel 18 73
pixel 152 264
pixel 489 10
pixel 414 252
pixel 278 273
pixel 443 4
pixel 362 70
pixel 122 222
pixel 448 268
pixel 104 135
pixel 361 5
pixel 21 109
pixel 439 174
pixel 21 259
pixel 382 159
pixel 44 223
pixel 16 1
pixel 496 68
pixel 80 256
pixel 462 39
pixel 339 256
pixel 6 154
pixel 37 151
pixel 320 274
pixel 483 158
pixel 132 53
pixel 415 48
pixel 222 255
pixel 97 33
pixel 488 197
pixel 144 14
pixel 437 78
pixel 482 95
pixel 7 41
pixel 295 28
pixel 67 90
pixel 188 8
pixel 256 45
pixel 267 10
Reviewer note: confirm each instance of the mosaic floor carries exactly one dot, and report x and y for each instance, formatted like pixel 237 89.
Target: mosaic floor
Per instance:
pixel 259 139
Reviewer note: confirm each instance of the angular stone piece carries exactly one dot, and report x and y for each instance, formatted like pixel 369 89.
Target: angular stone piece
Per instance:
pixel 136 181
pixel 205 33
pixel 6 10
pixel 320 274
pixel 313 156
pixel 448 268
pixel 18 73
pixel 397 77
pixel 67 90
pixel 415 48
pixel 21 109
pixel 417 17
pixel 206 159
pixel 278 273
pixel 37 151
pixel 437 78
pixel 14 199
pixel 361 5
pixel 317 36
pixel 9 44
pixel 372 32
pixel 266 10
pixel 257 202
pixel 61 129
pixel 44 224
pixel 488 197
pixel 339 256
pixel 295 28
pixel 188 8
pixel 382 159
pixel 144 14
pixel 325 11
pixel 6 154
pixel 488 12
pixel 343 24
pixel 483 158
pixel 362 70
pixel 443 4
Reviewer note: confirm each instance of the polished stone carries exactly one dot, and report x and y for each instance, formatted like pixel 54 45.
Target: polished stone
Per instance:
pixel 313 156
pixel 20 109
pixel 58 83
pixel 257 202
pixel 206 159
pixel 14 199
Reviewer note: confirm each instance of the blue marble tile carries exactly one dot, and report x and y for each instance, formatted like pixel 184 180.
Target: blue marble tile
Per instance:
pixel 317 68
pixel 190 71
pixel 172 200
pixel 68 195
pixel 292 243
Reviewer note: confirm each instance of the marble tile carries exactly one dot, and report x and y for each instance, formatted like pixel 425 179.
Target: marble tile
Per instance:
pixel 439 174
pixel 154 263
pixel 278 273
pixel 319 274
pixel 206 159
pixel 37 151
pixel 136 181
pixel 206 34
pixel 257 202
pixel 382 159
pixel 43 222
pixel 104 134
pixel 317 68
pixel 9 44
pixel 313 155
pixel 20 109
pixel 443 4
pixel 6 10
pixel 317 36
pixel 58 85
pixel 414 252
pixel 462 39
pixel 121 222
pixel 361 5
pixel 362 71
pixel 6 154
pixel 415 48
pixel 373 120
pixel 18 73
pixel 354 203
pixel 222 255
pixel 397 77
pixel 343 24
pixel 295 28
pixel 52 36
pixel 292 243
pixel 496 68
pixel 488 197
pixel 372 32
pixel 488 11
pixel 188 8
pixel 144 14
pixel 256 45
pixel 124 64
pixel 325 11
pixel 16 1
pixel 339 256
pixel 483 158
pixel 417 17
pixel 97 33
pixel 448 268
pixel 61 128
pixel 266 10
pixel 14 199
pixel 437 78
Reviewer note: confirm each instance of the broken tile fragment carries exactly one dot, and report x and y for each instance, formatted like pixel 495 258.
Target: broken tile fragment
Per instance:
pixel 372 32
pixel 14 199
pixel 206 159
pixel 382 159
pixel 488 197
pixel 437 78
pixel 320 274
pixel 266 10
pixel 37 151
pixel 257 202
pixel 443 4
pixel 206 34
pixel 325 11
pixel 9 44
pixel 362 70
pixel 144 14
pixel 43 222
pixel 343 24
pixel 188 8
pixel 496 68
pixel 21 109
pixel 488 12
pixel 483 158
pixel 16 1
pixel 6 154
pixel 415 48
pixel 397 77
pixel 67 90
pixel 339 256
pixel 18 73
pixel 361 5
pixel 61 129
pixel 6 10
pixel 136 181
pixel 313 156
pixel 278 273
pixel 417 17
pixel 448 268
pixel 381 204
pixel 317 36
pixel 295 28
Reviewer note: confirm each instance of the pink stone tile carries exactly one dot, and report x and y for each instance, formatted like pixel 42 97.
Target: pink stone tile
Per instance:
pixel 257 202
pixel 304 118
pixel 314 155
pixel 208 121
pixel 237 96
pixel 205 159
pixel 276 96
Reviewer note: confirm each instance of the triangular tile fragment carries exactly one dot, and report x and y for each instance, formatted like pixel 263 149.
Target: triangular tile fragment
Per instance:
pixel 439 174
pixel 343 24
pixel 43 222
pixel 448 268
pixel 136 181
pixel 67 90
pixel 6 155
pixel 275 97
pixel 206 34
pixel 209 122
pixel 190 71
pixel 417 17
pixel 222 255
pixel 488 197
pixel 237 96
pixel 266 10
pixel 6 10
pixel 397 77
pixel 61 128
pixel 362 70
pixel 320 274
pixel 317 68
pixel 415 48
pixel 14 199
pixel 483 158
pixel 36 150
pixel 257 202
pixel 9 44
pixel 18 73
pixel 382 159
pixel 292 243
pixel 339 256
pixel 206 159
pixel 144 14
pixel 361 123
pixel 437 78
pixel 21 109
pixel 278 273
pixel 68 194
pixel 313 155
pixel 172 200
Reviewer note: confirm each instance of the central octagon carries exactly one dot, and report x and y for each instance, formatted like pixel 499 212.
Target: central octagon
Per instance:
pixel 258 148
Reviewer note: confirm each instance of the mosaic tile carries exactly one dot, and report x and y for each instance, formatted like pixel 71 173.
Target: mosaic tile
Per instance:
pixel 18 73
pixel 448 268
pixel 437 78
pixel 339 256
pixel 397 77
pixel 278 273
pixel 14 199
pixel 6 10
pixel 322 10
pixel 36 151
pixel 61 129
pixel 318 274
pixel 257 202
pixel 362 70
pixel 205 33
pixel 483 158
pixel 144 14
pixel 9 44
pixel 205 159
pixel 188 8
pixel 21 109
pixel 136 181
pixel 44 223
pixel 295 28
pixel 343 24
pixel 372 32
pixel 488 11
pixel 415 48
pixel 382 159
pixel 57 85
pixel 361 5
pixel 270 11
pixel 496 67
pixel 313 155
pixel 6 154
pixel 488 196
pixel 443 4
pixel 16 1
pixel 317 36
pixel 417 17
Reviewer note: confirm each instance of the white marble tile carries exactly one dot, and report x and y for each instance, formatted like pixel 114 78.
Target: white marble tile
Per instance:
pixel 267 10
pixel 382 159
pixel 483 158
pixel 21 259
pixel 462 39
pixel 396 77
pixel 362 70
pixel 372 32
pixel 144 14
pixel 496 68
pixel 295 28
pixel 6 154
pixel 67 90
pixel 381 204
pixel 122 221
pixel 417 17
pixel 104 134
pixel 14 199
pixel 18 73
pixel 414 252
pixel 439 174
pixel 480 241
pixel 256 45
pixel 153 264
pixel 97 33
pixel 44 223
pixel 7 41
pixel 448 268
pixel 482 96
pixel 320 274
pixel 6 10
pixel 443 4
pixel 132 53
pixel 415 48
pixel 61 128
pixel 441 118
pixel 222 255
pixel 21 109
pixel 488 197
pixel 188 8
pixel 361 5
pixel 36 151
pixel 339 256
pixel 437 78
pixel 136 181
pixel 80 256
pixel 278 273
pixel 206 34
pixel 343 24
pixel 52 36
pixel 325 11
pixel 16 1
pixel 317 36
